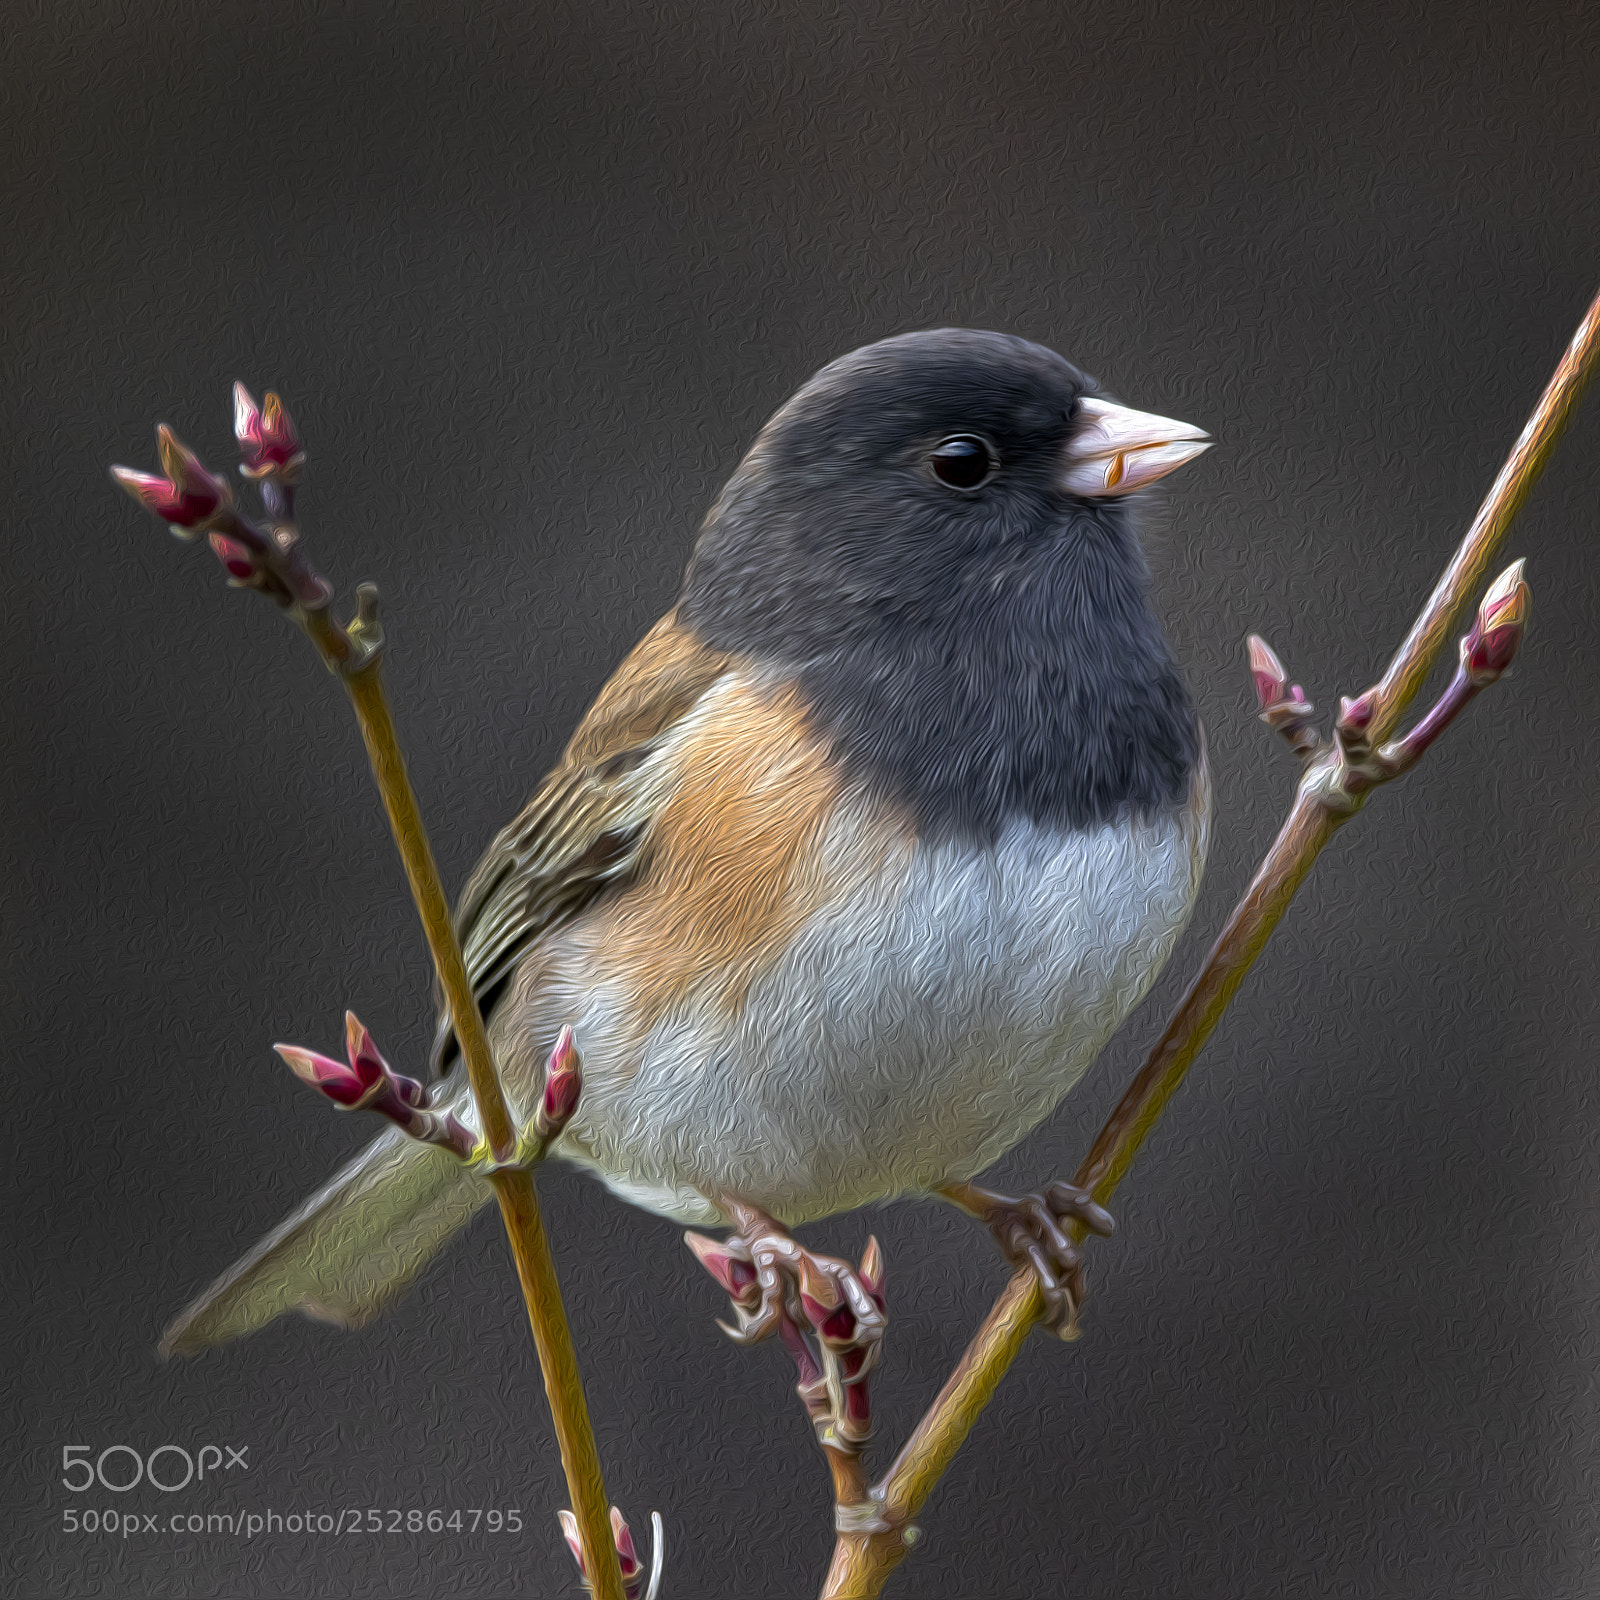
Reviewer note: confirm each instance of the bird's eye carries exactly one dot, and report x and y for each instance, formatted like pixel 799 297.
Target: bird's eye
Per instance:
pixel 963 461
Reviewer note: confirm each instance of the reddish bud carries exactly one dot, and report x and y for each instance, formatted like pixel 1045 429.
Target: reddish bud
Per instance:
pixel 186 470
pixel 627 1556
pixel 563 1084
pixel 835 1327
pixel 268 439
pixel 732 1270
pixel 1266 672
pixel 368 1080
pixel 1356 715
pixel 871 1271
pixel 234 556
pixel 569 1532
pixel 825 1304
pixel 370 1066
pixel 817 1286
pixel 1502 619
pixel 341 1085
pixel 187 496
pixel 154 493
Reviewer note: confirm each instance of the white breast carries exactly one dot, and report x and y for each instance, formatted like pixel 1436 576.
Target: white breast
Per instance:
pixel 911 1036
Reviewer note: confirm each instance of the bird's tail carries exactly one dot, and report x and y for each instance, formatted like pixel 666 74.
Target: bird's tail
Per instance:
pixel 354 1246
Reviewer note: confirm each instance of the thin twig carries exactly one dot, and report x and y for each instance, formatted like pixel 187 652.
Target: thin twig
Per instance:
pixel 513 1185
pixel 1338 774
pixel 271 559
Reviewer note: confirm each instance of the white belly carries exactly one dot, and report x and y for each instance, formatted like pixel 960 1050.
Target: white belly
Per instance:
pixel 904 1045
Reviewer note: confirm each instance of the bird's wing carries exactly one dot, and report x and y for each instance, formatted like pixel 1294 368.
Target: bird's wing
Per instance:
pixel 583 829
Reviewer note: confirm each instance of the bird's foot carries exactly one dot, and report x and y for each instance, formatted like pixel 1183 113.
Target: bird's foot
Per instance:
pixel 829 1315
pixel 1030 1234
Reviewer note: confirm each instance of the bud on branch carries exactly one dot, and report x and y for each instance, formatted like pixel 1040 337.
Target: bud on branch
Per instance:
pixel 193 500
pixel 1502 620
pixel 369 1083
pixel 189 499
pixel 1342 773
pixel 1284 707
pixel 633 1573
pixel 563 1083
pixel 268 441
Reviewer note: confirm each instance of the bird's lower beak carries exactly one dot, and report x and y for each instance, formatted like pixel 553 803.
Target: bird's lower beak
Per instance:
pixel 1115 450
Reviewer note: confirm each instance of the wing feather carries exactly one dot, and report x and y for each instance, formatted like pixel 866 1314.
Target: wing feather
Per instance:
pixel 584 828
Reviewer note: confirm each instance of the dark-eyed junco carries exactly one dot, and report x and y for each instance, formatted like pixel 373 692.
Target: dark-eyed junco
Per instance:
pixel 856 862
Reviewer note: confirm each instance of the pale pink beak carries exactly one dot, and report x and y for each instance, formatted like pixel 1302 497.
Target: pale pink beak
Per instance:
pixel 1115 451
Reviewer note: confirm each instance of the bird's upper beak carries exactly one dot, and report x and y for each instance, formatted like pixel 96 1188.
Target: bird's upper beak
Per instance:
pixel 1115 450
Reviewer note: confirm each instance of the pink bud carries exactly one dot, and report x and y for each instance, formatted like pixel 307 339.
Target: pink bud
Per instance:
pixel 154 493
pixel 365 1061
pixel 563 1083
pixel 734 1272
pixel 1266 672
pixel 182 505
pixel 341 1085
pixel 187 496
pixel 370 1066
pixel 187 472
pixel 627 1556
pixel 1355 715
pixel 837 1326
pixel 1496 633
pixel 268 439
pixel 817 1287
pixel 234 556
pixel 569 1532
pixel 871 1270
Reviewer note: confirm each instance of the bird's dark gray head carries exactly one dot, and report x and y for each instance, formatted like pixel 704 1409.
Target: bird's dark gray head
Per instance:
pixel 935 534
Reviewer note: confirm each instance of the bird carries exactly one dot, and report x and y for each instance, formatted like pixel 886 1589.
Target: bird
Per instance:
pixel 856 862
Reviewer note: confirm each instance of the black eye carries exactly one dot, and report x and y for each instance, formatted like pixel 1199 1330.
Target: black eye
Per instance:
pixel 963 462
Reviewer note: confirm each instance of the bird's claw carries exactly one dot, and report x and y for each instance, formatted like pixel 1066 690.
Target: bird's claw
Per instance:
pixel 1030 1234
pixel 754 1326
pixel 818 1292
pixel 829 1315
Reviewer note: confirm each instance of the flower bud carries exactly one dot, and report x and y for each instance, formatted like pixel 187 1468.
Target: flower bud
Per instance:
pixel 340 1083
pixel 1496 633
pixel 370 1066
pixel 1266 672
pixel 187 497
pixel 731 1269
pixel 622 1537
pixel 627 1555
pixel 818 1287
pixel 871 1270
pixel 569 1532
pixel 234 556
pixel 563 1083
pixel 268 439
pixel 1356 715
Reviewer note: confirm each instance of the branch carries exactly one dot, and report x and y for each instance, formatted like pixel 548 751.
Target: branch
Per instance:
pixel 270 559
pixel 1339 772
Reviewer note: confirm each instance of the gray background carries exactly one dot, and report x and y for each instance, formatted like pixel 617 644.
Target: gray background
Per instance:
pixel 530 277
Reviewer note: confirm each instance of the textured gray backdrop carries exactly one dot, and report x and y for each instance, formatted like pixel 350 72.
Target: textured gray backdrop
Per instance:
pixel 530 277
